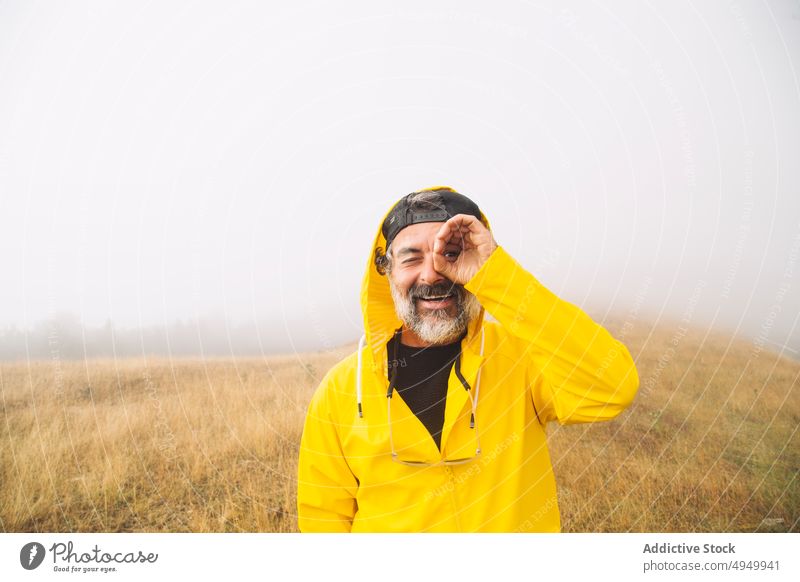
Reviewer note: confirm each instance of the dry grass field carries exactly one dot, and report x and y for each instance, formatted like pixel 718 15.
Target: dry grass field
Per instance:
pixel 210 445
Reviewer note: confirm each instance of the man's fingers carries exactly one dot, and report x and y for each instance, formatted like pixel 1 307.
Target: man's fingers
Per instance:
pixel 467 223
pixel 441 239
pixel 457 230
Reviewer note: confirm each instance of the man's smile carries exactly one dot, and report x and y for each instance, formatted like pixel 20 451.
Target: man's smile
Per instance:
pixel 437 301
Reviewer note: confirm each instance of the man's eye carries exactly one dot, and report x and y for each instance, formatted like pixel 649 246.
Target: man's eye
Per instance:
pixel 451 254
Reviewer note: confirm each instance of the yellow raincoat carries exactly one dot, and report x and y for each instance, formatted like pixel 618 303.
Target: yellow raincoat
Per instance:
pixel 542 360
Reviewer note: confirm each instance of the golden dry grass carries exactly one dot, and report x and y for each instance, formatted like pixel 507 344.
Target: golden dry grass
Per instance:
pixel 710 444
pixel 211 445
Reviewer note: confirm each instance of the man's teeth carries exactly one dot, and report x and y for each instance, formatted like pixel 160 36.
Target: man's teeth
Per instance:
pixel 437 297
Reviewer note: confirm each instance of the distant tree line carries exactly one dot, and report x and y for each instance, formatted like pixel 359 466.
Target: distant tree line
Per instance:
pixel 64 336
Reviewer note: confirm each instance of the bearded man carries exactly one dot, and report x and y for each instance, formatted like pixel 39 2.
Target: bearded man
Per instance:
pixel 437 422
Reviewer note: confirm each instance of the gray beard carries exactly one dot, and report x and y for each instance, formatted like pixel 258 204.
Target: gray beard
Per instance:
pixel 437 327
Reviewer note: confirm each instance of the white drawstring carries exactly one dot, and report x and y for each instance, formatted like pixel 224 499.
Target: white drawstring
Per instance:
pixel 478 380
pixel 358 374
pixel 361 343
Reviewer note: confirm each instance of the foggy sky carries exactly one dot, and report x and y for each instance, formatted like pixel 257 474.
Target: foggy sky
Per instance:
pixel 231 161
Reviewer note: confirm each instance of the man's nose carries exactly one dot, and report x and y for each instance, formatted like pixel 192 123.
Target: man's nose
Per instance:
pixel 429 275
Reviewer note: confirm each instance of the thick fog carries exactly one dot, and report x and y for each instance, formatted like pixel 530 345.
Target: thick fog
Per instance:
pixel 224 166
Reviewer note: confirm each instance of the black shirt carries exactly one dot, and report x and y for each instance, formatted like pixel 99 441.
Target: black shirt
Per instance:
pixel 422 375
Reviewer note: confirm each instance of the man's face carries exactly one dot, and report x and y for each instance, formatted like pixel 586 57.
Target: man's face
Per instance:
pixel 430 305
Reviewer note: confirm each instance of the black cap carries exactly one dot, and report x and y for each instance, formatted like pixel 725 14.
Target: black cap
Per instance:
pixel 440 205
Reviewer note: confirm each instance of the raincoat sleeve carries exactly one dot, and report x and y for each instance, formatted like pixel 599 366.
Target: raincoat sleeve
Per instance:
pixel 326 487
pixel 577 372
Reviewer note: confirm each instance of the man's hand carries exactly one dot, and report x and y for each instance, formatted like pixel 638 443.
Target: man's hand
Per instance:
pixel 461 247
